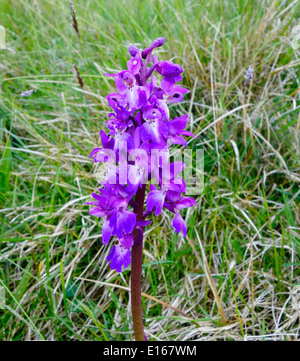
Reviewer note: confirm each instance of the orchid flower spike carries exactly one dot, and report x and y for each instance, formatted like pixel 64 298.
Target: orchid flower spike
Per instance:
pixel 139 131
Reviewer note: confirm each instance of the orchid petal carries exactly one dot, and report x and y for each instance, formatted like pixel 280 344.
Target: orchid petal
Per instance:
pixel 179 224
pixel 119 256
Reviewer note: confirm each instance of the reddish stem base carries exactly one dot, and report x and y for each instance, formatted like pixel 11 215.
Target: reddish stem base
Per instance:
pixel 136 272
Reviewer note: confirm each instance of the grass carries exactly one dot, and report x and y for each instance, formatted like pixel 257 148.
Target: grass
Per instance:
pixel 245 233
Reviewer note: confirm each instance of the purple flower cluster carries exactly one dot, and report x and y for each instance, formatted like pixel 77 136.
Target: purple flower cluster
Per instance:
pixel 136 151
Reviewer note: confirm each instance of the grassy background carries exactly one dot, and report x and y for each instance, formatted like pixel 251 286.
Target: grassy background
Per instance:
pixel 236 275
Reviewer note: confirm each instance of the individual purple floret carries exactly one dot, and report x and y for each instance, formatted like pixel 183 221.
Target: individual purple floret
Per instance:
pixel 248 74
pixel 139 126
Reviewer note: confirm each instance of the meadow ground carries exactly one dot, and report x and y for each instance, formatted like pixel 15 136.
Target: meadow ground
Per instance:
pixel 237 274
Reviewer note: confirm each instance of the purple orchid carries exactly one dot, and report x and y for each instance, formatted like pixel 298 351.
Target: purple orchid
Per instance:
pixel 140 118
pixel 135 150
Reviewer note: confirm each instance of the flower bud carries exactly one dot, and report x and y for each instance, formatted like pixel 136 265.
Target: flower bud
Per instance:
pixel 133 50
pixel 158 42
pixel 171 70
